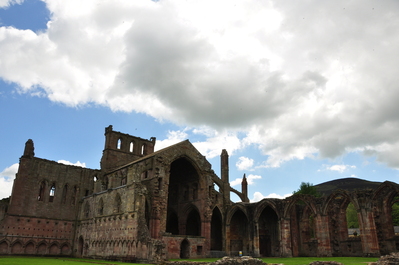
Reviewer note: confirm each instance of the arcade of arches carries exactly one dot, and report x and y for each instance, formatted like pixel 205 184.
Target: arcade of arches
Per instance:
pixel 150 206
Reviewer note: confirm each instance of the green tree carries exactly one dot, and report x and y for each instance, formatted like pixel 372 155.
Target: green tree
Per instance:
pixel 307 188
pixel 351 216
pixel 395 213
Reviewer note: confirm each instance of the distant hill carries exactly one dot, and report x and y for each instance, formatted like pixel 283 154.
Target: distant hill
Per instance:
pixel 349 184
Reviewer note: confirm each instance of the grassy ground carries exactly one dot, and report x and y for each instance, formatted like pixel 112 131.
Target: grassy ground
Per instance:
pixel 9 260
pixel 307 260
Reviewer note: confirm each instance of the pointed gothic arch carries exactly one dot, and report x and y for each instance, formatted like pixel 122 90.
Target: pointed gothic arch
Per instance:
pixel 216 230
pixel 238 225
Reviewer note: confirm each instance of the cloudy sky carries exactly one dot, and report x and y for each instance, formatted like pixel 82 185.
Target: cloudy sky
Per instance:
pixel 303 91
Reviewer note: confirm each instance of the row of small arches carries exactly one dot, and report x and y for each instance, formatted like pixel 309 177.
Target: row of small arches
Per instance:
pixel 32 248
pixel 143 149
pixel 43 190
pixel 117 207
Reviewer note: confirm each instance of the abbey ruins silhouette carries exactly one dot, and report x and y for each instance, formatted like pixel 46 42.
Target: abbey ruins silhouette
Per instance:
pixel 150 206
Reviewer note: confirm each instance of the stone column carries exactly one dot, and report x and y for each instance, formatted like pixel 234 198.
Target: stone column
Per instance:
pixel 206 230
pixel 285 242
pixel 227 240
pixel 323 236
pixel 368 232
pixel 256 240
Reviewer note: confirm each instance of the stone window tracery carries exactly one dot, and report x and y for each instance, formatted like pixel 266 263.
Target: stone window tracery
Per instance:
pixel 64 194
pixel 101 207
pixel 118 203
pixel 40 196
pixel 52 193
pixel 131 147
pixel 119 144
pixel 143 149
pixel 74 194
pixel 87 210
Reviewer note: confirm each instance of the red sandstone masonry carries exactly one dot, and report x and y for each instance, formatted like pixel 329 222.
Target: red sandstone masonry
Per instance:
pixel 150 206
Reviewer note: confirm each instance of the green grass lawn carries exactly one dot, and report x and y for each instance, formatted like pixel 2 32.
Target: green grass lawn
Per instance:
pixel 10 260
pixel 307 260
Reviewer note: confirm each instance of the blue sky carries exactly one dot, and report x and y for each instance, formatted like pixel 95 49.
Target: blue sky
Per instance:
pixel 303 92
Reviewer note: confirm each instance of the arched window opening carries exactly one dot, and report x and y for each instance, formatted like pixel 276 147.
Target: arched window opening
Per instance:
pixel 52 193
pixel 185 249
pixel 64 194
pixel 216 230
pixel 42 187
pixel 143 149
pixel 74 195
pixel 131 147
pixel 119 144
pixel 172 224
pixel 118 204
pixel 239 233
pixel 182 177
pixel 193 224
pixel 87 210
pixel 101 207
pixel 95 178
pixel 269 243
pixel 352 220
pixel 159 184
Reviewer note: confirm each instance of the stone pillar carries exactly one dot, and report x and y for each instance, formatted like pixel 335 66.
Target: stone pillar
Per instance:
pixel 368 232
pixel 256 240
pixel 228 240
pixel 224 168
pixel 285 243
pixel 244 189
pixel 206 230
pixel 323 236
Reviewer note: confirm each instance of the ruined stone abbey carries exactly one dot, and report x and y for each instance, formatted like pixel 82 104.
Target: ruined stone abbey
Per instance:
pixel 150 206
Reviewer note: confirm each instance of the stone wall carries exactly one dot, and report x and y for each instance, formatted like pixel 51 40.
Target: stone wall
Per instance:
pixel 149 206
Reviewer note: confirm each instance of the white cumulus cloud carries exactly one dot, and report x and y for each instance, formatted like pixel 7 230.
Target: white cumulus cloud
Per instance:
pixel 339 168
pixel 250 180
pixel 7 3
pixel 299 80
pixel 173 137
pixel 7 177
pixel 244 163
pixel 259 196
pixel 78 163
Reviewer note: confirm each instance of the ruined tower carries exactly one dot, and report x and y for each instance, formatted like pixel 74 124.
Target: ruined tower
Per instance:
pixel 121 148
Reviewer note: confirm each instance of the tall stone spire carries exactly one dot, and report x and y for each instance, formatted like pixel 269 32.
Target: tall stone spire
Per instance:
pixel 224 168
pixel 29 151
pixel 244 186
